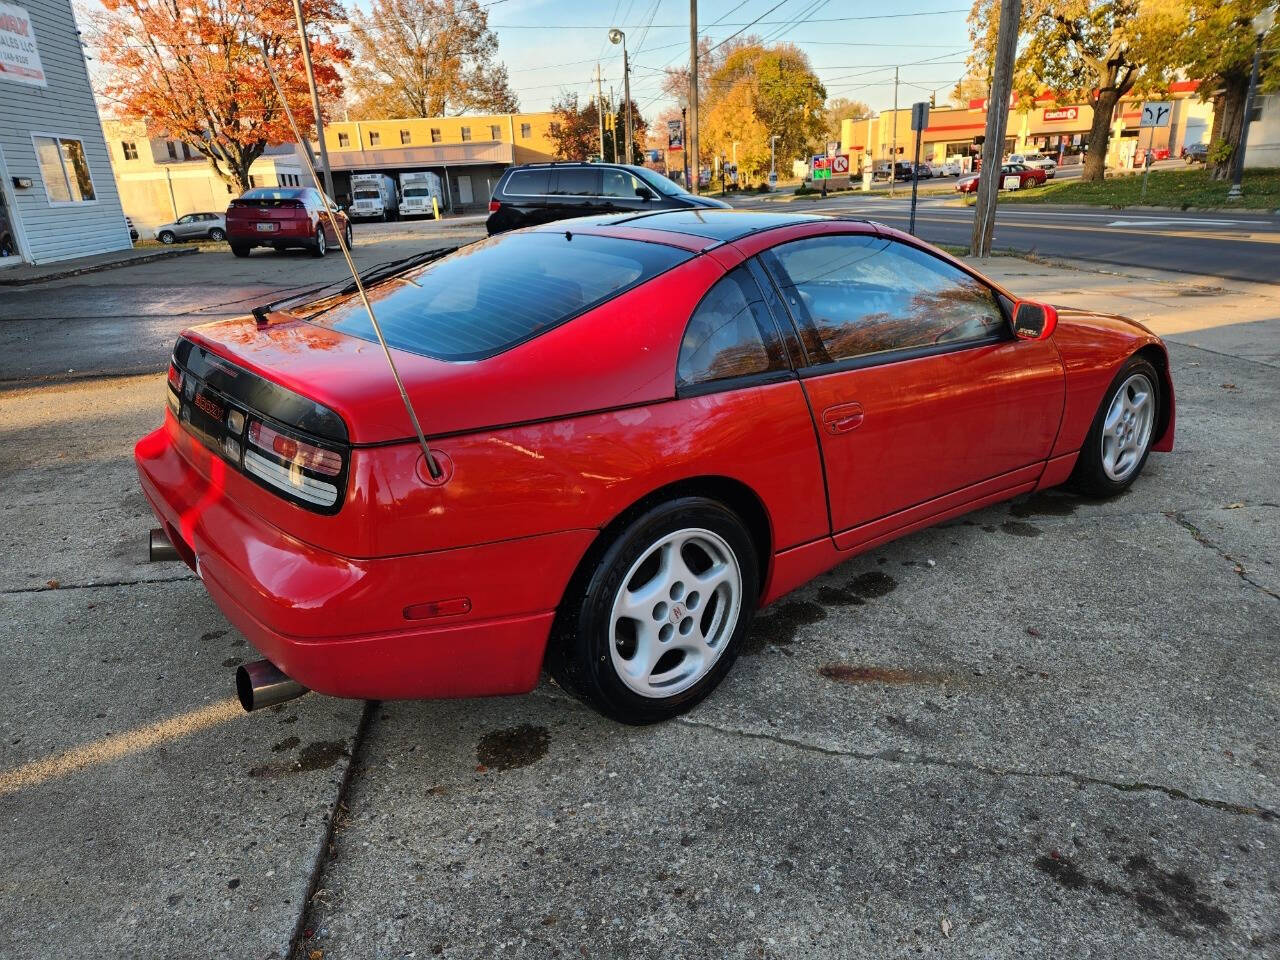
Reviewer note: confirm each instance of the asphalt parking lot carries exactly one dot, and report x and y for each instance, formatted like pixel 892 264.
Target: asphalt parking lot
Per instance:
pixel 1047 728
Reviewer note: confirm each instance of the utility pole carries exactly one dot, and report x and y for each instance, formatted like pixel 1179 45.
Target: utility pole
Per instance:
pixel 327 186
pixel 1262 23
pixel 691 134
pixel 893 153
pixel 626 92
pixel 984 217
pixel 600 111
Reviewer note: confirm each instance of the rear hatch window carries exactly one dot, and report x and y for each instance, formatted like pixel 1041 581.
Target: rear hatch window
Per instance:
pixel 493 295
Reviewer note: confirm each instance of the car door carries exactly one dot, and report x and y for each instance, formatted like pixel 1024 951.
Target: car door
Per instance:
pixel 575 192
pixel 918 388
pixel 186 226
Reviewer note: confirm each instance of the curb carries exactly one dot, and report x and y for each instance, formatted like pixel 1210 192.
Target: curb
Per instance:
pixel 96 267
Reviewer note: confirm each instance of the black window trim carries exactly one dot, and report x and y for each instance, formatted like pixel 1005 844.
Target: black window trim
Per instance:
pixel 744 380
pixel 811 369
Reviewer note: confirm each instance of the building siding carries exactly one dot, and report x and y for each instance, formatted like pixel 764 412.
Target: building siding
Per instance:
pixel 64 108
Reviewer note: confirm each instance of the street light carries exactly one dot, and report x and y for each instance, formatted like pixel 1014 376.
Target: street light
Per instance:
pixel 1262 24
pixel 773 171
pixel 616 36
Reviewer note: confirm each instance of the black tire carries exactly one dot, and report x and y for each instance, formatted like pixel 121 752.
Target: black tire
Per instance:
pixel 1090 476
pixel 347 235
pixel 319 246
pixel 579 654
pixel 217 234
pixel 240 249
pixel 166 237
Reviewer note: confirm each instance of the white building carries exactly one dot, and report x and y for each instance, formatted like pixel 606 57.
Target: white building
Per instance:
pixel 57 197
pixel 1263 146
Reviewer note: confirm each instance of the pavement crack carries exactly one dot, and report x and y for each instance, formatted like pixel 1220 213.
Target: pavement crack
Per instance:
pixel 965 766
pixel 96 584
pixel 1198 535
pixel 337 812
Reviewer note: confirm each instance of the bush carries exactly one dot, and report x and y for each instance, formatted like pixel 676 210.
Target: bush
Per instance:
pixel 1219 152
pixel 804 190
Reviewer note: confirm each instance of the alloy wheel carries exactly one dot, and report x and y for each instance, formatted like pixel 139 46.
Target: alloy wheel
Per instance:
pixel 1126 431
pixel 675 612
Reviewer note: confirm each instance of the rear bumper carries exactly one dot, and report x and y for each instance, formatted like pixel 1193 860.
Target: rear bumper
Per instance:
pixel 286 232
pixel 337 624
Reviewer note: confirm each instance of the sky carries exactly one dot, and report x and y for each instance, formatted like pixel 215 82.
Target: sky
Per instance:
pixel 552 45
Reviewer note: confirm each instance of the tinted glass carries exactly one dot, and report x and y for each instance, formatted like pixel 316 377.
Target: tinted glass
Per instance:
pixel 859 295
pixel 272 193
pixel 619 183
pixel 576 182
pixel 730 334
pixel 528 183
pixel 492 295
pixel 660 183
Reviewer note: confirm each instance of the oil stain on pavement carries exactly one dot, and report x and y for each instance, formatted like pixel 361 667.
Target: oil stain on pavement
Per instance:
pixel 513 747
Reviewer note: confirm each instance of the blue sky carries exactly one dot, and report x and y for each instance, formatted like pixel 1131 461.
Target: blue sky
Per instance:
pixel 552 45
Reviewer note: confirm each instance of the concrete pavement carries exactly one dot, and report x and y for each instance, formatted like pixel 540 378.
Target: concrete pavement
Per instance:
pixel 1047 728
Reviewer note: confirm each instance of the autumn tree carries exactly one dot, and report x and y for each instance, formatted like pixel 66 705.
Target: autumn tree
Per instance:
pixel 759 92
pixel 1217 45
pixel 972 86
pixel 840 109
pixel 427 58
pixel 193 71
pixel 575 131
pixel 1096 51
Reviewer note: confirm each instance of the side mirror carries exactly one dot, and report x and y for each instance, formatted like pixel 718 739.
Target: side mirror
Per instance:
pixel 1034 321
pixel 644 193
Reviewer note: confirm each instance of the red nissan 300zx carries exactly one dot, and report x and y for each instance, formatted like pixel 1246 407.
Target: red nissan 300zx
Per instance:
pixel 645 428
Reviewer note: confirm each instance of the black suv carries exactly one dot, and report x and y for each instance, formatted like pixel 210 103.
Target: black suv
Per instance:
pixel 542 192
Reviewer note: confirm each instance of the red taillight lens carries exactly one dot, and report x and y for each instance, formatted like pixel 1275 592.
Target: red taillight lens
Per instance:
pixel 494 206
pixel 175 378
pixel 297 452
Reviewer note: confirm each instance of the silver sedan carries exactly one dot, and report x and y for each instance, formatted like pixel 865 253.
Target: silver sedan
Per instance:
pixel 194 226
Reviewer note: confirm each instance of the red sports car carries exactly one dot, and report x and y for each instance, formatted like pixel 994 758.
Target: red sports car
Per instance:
pixel 283 217
pixel 646 428
pixel 1027 177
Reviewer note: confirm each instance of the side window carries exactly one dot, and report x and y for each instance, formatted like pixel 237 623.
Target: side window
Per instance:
pixel 729 335
pixel 619 183
pixel 577 182
pixel 527 183
pixel 858 295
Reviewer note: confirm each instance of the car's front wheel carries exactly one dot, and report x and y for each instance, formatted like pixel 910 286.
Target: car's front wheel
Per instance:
pixel 166 236
pixel 347 235
pixel 217 234
pixel 1119 441
pixel 657 621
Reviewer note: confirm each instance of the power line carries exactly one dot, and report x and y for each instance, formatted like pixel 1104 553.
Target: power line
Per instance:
pixel 761 22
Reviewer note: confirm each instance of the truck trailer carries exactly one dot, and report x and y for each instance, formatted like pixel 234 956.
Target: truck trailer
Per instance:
pixel 416 190
pixel 373 197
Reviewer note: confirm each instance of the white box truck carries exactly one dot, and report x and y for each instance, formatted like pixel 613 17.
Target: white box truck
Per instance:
pixel 373 197
pixel 416 191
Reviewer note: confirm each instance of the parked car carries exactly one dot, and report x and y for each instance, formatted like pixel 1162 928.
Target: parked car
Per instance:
pixel 951 168
pixel 193 226
pixel 1036 161
pixel 609 400
pixel 284 217
pixel 542 192
pixel 925 171
pixel 1195 152
pixel 1027 177
pixel 901 171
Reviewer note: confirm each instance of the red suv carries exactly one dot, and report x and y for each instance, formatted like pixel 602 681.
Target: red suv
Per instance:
pixel 282 217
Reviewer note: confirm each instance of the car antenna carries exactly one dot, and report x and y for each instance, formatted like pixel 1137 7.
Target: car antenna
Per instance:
pixel 432 466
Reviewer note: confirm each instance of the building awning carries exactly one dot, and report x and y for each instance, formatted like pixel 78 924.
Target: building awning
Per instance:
pixel 438 155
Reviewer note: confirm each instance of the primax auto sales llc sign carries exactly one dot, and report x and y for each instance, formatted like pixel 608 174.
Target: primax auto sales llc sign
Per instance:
pixel 19 58
pixel 1062 113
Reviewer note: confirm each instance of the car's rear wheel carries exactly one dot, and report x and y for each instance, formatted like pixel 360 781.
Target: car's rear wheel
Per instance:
pixel 657 620
pixel 240 249
pixel 347 235
pixel 166 236
pixel 217 234
pixel 319 246
pixel 1119 441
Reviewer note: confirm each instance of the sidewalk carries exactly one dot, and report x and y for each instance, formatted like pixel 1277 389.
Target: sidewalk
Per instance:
pixel 40 272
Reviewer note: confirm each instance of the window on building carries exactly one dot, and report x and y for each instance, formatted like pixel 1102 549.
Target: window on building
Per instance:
pixel 466 134
pixel 526 131
pixel 859 295
pixel 130 150
pixel 186 152
pixel 375 138
pixel 730 334
pixel 495 132
pixel 172 148
pixel 404 136
pixel 344 140
pixel 435 134
pixel 64 170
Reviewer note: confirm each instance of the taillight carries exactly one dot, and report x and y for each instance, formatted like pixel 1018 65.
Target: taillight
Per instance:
pixel 292 464
pixel 494 206
pixel 173 396
pixel 175 377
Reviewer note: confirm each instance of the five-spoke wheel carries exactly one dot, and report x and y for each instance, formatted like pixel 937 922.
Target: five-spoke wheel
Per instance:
pixel 1120 439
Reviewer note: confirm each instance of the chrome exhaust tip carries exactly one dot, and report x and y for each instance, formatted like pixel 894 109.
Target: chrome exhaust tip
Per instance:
pixel 262 684
pixel 159 549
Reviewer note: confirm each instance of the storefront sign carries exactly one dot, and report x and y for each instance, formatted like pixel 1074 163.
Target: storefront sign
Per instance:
pixel 19 58
pixel 1062 113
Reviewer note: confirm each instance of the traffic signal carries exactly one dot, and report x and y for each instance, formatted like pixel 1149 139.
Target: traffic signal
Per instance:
pixel 933 99
pixel 980 139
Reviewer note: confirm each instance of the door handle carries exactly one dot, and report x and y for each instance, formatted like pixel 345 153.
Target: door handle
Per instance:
pixel 842 418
